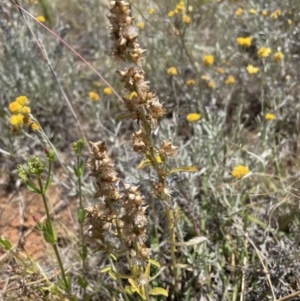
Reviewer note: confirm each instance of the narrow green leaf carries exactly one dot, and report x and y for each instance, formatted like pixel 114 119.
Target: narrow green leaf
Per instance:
pixel 82 282
pixel 49 233
pixel 183 168
pixel 129 290
pixel 112 275
pixel 31 187
pixel 80 216
pixel 61 283
pixel 146 162
pixel 154 262
pixel 105 270
pixel 253 219
pixel 68 278
pixel 147 271
pixel 5 244
pixel 158 291
pixel 113 256
pixel 133 283
pixel 77 171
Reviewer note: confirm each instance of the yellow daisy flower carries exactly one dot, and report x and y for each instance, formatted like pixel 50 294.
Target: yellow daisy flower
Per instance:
pixel 270 116
pixel 208 60
pixel 41 19
pixel 244 42
pixel 251 69
pixel 140 25
pixel 171 13
pixel 107 90
pixel 94 96
pixel 192 117
pixel 172 71
pixel 239 171
pixel 16 120
pixel 25 110
pixel 264 13
pixel 186 19
pixel 230 80
pixel 151 11
pixel 14 107
pixel 238 11
pixel 190 82
pixel 275 14
pixel 278 56
pixel 35 126
pixel 22 100
pixel 263 52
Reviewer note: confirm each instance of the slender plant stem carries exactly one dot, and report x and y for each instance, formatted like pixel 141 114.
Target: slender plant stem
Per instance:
pixel 171 226
pixel 83 246
pixel 44 197
pixel 43 193
pixel 118 278
pixel 63 274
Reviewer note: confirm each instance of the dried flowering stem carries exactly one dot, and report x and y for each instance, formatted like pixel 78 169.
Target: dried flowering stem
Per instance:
pixel 142 105
pixel 119 221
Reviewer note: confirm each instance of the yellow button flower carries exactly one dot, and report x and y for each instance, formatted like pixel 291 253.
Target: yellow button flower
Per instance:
pixel 180 7
pixel 251 69
pixel 25 110
pixel 140 25
pixel 278 56
pixel 190 82
pixel 230 80
pixel 35 126
pixel 208 60
pixel 172 71
pixel 270 116
pixel 238 11
pixel 171 13
pixel 16 120
pixel 275 14
pixel 151 11
pixel 252 11
pixel 41 19
pixel 264 13
pixel 14 107
pixel 22 100
pixel 263 52
pixel 244 42
pixel 186 19
pixel 239 171
pixel 107 90
pixel 94 96
pixel 192 117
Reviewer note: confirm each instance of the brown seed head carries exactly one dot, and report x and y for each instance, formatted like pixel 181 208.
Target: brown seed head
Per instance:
pixel 167 149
